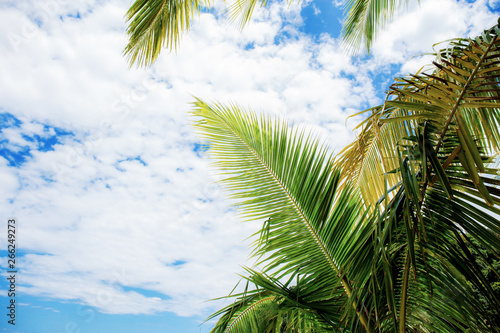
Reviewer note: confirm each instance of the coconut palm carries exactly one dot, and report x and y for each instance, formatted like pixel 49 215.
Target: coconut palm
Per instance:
pixel 378 238
pixel 154 24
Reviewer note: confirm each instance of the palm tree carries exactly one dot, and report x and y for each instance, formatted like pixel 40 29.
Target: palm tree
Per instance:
pixel 154 24
pixel 379 237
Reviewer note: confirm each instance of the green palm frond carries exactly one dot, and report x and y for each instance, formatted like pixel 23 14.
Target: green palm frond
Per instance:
pixel 155 24
pixel 284 176
pixel 254 311
pixel 365 18
pixel 274 307
pixel 433 219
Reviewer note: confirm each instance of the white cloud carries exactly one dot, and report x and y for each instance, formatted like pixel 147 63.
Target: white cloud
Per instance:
pixel 316 9
pixel 339 3
pixel 417 29
pixel 98 219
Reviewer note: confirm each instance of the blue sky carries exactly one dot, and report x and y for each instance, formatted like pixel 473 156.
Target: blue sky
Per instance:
pixel 39 315
pixel 121 224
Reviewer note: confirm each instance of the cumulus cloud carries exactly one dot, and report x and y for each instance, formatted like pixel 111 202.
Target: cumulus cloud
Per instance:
pixel 124 199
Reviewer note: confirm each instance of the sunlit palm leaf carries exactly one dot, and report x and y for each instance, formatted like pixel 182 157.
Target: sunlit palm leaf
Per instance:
pixel 371 160
pixel 284 176
pixel 155 24
pixel 365 18
pixel 242 10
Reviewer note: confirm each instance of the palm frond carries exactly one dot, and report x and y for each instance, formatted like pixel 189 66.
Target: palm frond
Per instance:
pixel 155 24
pixel 254 311
pixel 365 18
pixel 285 177
pixel 431 269
pixel 431 221
pixel 275 307
pixel 242 10
pixel 393 251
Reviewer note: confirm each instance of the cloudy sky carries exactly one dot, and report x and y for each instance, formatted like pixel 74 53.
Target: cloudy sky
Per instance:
pixel 121 224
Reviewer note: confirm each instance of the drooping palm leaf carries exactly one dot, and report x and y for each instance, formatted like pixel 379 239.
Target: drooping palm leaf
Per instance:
pixel 285 177
pixel 155 24
pixel 242 10
pixel 430 273
pixel 365 18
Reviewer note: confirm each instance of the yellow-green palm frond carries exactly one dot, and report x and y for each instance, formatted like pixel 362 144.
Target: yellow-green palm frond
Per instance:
pixel 155 24
pixel 365 18
pixel 242 10
pixel 460 99
pixel 371 160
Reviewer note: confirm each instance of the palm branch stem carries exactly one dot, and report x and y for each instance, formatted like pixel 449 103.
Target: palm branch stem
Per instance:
pixel 345 283
pixel 447 163
pixel 362 317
